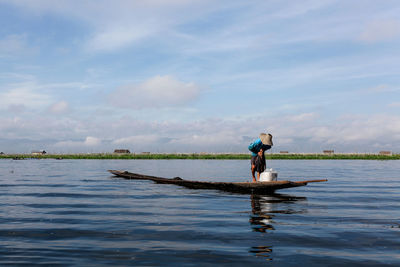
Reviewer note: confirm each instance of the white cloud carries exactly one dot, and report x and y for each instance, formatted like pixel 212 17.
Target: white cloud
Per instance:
pixel 14 44
pixel 68 144
pixel 303 117
pixel 394 104
pixel 23 94
pixel 353 131
pixel 92 141
pixel 157 92
pixel 209 139
pixel 283 141
pixel 138 139
pixel 59 107
pixel 347 134
pixel 27 93
pixel 383 30
pixel 16 108
pixel 115 38
pixel 119 23
pixel 379 89
pixel 122 23
pixel 382 88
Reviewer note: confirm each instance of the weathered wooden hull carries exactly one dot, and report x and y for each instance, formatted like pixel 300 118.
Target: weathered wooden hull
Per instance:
pixel 234 187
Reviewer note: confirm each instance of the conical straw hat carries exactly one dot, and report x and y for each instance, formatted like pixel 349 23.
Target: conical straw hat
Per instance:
pixel 266 139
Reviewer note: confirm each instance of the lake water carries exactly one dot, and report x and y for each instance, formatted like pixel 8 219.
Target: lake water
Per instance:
pixel 73 212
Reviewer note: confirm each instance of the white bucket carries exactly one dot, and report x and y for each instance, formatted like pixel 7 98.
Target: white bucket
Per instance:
pixel 268 175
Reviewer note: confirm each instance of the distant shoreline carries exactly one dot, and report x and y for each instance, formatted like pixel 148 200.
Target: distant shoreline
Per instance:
pixel 210 156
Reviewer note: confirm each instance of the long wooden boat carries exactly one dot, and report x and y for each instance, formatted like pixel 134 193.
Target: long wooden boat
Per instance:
pixel 234 187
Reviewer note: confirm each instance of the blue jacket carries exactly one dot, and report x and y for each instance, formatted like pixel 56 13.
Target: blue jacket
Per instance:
pixel 256 146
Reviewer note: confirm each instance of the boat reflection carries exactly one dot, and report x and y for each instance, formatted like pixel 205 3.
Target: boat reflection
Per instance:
pixel 263 211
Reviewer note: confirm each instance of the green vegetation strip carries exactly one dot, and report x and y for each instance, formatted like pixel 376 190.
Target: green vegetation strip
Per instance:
pixel 204 156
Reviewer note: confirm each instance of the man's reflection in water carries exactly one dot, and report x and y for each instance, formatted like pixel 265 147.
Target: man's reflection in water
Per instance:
pixel 263 210
pixel 260 220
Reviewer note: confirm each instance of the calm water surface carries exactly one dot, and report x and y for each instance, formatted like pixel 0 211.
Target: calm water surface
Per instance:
pixel 73 213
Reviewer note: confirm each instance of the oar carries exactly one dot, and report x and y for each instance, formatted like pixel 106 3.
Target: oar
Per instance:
pixel 311 181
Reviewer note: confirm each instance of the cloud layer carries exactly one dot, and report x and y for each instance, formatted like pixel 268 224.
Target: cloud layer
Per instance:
pixel 156 92
pixel 347 134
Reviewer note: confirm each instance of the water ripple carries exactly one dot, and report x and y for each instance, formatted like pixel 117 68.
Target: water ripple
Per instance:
pixel 72 212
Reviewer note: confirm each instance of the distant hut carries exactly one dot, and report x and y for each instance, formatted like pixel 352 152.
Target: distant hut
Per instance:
pixel 385 153
pixel 329 152
pixel 1 153
pixel 284 152
pixel 38 152
pixel 122 151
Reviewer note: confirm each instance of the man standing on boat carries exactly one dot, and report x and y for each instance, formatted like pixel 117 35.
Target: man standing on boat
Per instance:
pixel 257 148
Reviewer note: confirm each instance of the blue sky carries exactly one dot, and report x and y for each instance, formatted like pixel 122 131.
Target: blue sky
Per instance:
pixel 199 76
